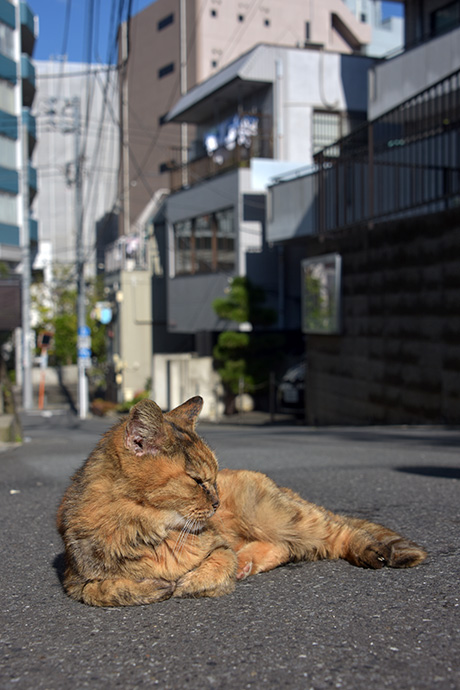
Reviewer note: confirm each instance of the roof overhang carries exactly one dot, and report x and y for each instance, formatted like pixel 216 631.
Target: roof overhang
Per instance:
pixel 239 79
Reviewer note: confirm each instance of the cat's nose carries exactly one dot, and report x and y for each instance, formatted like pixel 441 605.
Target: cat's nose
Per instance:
pixel 216 503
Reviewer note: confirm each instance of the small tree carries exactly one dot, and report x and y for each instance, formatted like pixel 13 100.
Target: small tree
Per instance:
pixel 243 357
pixel 56 310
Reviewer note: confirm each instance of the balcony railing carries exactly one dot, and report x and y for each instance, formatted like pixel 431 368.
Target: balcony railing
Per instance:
pixel 126 254
pixel 223 158
pixel 404 163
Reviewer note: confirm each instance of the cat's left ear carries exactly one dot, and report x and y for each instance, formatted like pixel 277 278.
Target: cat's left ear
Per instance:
pixel 188 412
pixel 144 431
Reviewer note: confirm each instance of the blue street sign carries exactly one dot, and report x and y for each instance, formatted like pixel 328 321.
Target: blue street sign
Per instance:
pixel 84 352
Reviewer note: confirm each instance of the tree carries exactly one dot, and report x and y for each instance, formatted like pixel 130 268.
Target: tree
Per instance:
pixel 243 357
pixel 55 309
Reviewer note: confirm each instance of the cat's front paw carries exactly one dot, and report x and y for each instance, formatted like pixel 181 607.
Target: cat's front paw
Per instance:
pixel 244 570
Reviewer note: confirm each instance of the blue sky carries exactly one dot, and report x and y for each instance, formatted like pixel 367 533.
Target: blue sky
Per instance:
pixel 52 28
pixel 52 22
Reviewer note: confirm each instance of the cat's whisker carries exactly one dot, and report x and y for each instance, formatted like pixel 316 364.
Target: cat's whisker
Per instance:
pixel 183 536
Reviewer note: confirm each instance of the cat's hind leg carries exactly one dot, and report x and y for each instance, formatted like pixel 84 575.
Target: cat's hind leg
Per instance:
pixel 393 549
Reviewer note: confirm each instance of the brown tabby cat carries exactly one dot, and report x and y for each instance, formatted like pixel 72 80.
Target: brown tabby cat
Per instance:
pixel 149 517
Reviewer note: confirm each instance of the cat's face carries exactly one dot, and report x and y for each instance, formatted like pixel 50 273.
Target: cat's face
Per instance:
pixel 169 466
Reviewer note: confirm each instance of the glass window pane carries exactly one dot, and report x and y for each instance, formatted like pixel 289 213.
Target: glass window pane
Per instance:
pixel 183 247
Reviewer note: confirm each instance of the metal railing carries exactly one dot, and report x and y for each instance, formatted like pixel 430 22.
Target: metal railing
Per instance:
pixel 127 253
pixel 404 163
pixel 222 160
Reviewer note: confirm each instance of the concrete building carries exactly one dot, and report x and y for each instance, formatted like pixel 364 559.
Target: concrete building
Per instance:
pixel 279 106
pixel 371 242
pixel 75 105
pixel 18 31
pixel 174 45
pixel 387 35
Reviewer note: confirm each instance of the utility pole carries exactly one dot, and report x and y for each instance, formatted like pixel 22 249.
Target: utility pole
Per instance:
pixel 84 337
pixel 25 260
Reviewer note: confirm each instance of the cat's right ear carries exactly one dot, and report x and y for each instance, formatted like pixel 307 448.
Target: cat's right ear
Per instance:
pixel 144 433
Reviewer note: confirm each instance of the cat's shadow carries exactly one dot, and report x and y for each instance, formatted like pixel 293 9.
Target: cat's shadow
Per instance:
pixel 59 566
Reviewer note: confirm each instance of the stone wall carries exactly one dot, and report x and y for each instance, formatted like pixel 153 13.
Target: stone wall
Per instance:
pixel 397 359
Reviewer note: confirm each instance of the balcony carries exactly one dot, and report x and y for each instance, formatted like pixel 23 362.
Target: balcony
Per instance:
pixel 28 81
pixel 29 30
pixel 9 181
pixel 404 164
pixel 126 254
pixel 8 69
pixel 8 125
pixel 33 231
pixel 229 148
pixel 402 77
pixel 7 13
pixel 32 173
pixel 29 122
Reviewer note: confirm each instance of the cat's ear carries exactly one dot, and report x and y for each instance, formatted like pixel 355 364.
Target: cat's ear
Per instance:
pixel 144 431
pixel 188 412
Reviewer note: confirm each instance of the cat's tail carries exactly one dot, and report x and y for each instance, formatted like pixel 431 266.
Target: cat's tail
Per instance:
pixel 118 591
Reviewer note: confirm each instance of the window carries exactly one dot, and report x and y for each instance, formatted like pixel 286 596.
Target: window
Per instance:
pixel 7 97
pixel 213 13
pixel 445 18
pixel 167 69
pixel 6 40
pixel 214 64
pixel 321 293
pixel 163 23
pixel 363 17
pixel 7 153
pixel 266 22
pixel 205 244
pixel 165 167
pixel 241 17
pixel 326 129
pixel 8 208
pixel 307 31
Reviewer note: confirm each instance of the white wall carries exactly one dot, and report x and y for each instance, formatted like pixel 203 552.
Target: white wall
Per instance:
pixel 176 378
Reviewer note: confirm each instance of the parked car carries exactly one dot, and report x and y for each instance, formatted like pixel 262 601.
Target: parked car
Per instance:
pixel 291 390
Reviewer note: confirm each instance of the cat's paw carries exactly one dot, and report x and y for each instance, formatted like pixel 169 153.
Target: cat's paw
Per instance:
pixel 374 555
pixel 244 570
pixel 406 554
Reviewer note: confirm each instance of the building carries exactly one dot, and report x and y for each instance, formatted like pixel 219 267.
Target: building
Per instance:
pixel 371 242
pixel 211 226
pixel 17 132
pixel 75 107
pixel 174 45
pixel 18 179
pixel 199 44
pixel 387 35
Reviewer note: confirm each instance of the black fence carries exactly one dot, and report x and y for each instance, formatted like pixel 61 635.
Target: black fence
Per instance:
pixel 405 163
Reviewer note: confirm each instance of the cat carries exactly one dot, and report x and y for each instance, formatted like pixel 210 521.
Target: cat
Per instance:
pixel 149 516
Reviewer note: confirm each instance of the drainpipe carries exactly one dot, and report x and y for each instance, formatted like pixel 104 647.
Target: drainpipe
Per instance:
pixel 278 110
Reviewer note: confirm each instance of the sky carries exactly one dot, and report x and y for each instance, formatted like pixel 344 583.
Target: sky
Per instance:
pixel 54 40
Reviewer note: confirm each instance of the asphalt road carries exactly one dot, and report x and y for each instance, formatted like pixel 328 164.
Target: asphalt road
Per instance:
pixel 310 625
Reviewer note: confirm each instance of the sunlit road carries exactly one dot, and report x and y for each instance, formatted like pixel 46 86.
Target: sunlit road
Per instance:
pixel 317 625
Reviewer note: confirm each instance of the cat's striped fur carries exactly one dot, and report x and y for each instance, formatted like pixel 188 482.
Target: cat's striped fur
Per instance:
pixel 149 517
